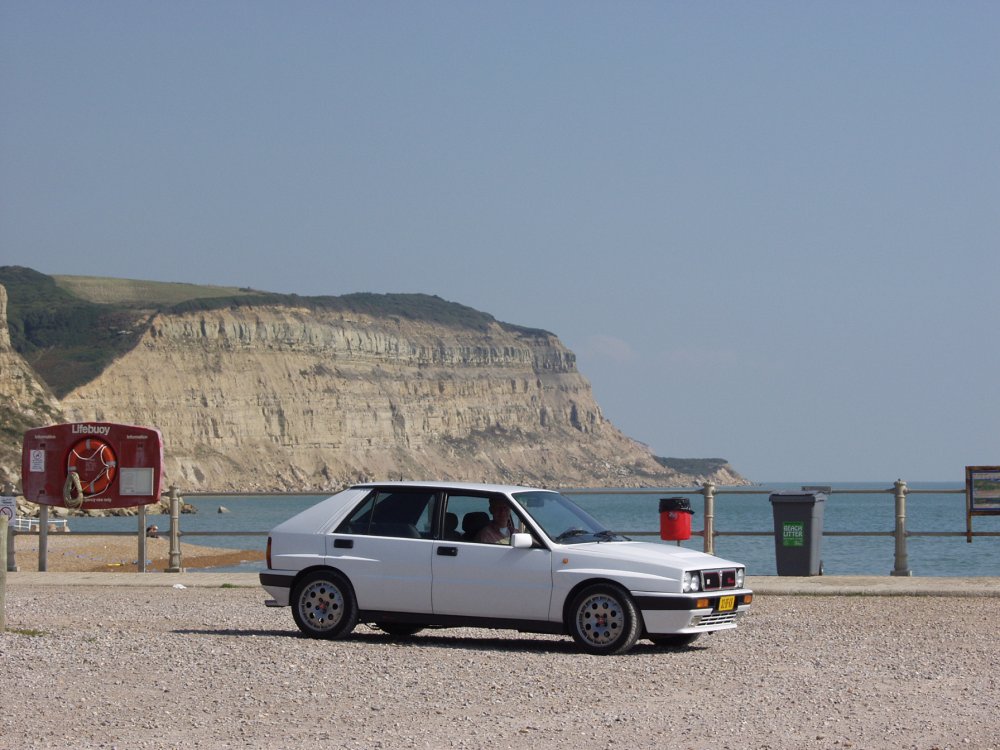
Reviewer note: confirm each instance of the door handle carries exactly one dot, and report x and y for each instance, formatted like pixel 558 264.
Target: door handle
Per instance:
pixel 448 551
pixel 343 543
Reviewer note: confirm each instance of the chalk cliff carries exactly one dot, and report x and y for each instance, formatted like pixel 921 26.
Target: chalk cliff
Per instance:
pixel 286 397
pixel 25 401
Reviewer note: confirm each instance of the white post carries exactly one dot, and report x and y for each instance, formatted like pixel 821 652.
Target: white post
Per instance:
pixel 175 531
pixel 902 567
pixel 708 490
pixel 3 573
pixel 9 563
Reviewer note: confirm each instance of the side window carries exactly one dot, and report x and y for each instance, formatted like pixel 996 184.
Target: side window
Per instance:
pixel 406 514
pixel 425 523
pixel 359 521
pixel 469 514
pixel 466 517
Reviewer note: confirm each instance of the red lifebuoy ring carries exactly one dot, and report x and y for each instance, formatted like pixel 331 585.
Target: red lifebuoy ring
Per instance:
pixel 95 462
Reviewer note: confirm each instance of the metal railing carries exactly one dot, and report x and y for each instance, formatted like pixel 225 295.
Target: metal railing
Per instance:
pixel 22 523
pixel 708 491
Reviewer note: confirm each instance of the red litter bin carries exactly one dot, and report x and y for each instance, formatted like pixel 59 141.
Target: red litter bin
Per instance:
pixel 675 519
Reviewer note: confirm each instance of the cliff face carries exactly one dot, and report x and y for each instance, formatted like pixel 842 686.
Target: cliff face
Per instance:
pixel 25 401
pixel 279 397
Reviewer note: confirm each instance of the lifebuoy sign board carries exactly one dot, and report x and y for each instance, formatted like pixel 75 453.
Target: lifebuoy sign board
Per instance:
pixel 92 465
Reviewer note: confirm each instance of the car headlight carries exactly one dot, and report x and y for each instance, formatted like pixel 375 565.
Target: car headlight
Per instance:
pixel 740 577
pixel 690 581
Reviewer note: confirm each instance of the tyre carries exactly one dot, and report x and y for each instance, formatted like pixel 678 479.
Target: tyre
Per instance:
pixel 323 605
pixel 674 641
pixel 603 619
pixel 399 629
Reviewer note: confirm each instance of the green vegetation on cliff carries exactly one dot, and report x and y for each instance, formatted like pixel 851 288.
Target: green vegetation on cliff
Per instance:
pixel 695 466
pixel 66 339
pixel 69 328
pixel 133 292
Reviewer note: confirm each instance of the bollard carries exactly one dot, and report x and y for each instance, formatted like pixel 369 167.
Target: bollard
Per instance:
pixel 175 532
pixel 709 492
pixel 902 566
pixel 3 572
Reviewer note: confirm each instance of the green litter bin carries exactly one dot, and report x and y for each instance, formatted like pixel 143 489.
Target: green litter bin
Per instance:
pixel 798 532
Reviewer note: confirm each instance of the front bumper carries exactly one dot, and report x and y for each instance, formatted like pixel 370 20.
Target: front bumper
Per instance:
pixel 664 614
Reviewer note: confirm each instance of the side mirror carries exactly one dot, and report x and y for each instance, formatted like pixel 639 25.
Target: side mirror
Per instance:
pixel 521 541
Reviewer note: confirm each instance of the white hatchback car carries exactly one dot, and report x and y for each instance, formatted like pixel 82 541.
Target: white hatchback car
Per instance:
pixel 408 555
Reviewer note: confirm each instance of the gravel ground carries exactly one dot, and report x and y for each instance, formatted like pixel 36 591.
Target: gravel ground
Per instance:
pixel 105 667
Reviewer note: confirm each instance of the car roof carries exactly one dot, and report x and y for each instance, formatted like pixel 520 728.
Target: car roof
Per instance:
pixel 452 486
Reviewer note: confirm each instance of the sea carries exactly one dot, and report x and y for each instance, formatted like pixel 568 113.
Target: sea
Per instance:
pixel 931 507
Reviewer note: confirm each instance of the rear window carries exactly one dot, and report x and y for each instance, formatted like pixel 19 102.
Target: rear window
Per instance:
pixel 395 513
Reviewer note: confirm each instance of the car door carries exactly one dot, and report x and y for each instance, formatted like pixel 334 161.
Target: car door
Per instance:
pixel 384 548
pixel 475 579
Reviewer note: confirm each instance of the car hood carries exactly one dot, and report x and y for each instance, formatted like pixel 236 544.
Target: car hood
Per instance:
pixel 653 557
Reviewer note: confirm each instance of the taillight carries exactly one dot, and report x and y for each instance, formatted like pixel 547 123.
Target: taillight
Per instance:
pixel 269 553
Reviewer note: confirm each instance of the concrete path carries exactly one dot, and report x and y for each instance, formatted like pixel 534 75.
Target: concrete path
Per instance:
pixel 764 585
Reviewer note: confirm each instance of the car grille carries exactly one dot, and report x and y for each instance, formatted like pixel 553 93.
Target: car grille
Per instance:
pixel 716 580
pixel 716 618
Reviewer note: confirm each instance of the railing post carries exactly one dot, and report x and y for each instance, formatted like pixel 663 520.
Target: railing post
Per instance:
pixel 140 563
pixel 11 558
pixel 708 490
pixel 175 531
pixel 9 564
pixel 43 538
pixel 902 567
pixel 4 525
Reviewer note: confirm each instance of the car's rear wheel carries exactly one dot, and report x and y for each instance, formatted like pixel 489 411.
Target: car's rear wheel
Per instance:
pixel 399 629
pixel 674 641
pixel 323 605
pixel 603 619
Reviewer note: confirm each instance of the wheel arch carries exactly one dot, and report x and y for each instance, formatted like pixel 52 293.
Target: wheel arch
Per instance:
pixel 323 569
pixel 579 586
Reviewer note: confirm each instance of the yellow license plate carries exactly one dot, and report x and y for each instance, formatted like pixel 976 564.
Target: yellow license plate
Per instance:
pixel 726 603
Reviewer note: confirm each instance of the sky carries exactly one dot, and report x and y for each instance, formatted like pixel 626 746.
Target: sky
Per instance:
pixel 770 231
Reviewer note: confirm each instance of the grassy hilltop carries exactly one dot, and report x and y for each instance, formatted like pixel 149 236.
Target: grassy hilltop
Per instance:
pixel 136 293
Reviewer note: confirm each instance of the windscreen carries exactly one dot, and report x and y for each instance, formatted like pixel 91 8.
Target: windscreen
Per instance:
pixel 562 520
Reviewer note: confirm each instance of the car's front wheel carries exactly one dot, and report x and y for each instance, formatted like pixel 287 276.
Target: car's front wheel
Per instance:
pixel 603 619
pixel 323 605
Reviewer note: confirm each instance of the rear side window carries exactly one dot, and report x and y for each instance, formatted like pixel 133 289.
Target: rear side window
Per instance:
pixel 406 514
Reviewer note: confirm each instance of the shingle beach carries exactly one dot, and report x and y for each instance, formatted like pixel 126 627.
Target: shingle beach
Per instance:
pixel 118 554
pixel 144 666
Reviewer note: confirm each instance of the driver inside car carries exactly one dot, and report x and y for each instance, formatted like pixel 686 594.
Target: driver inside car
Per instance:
pixel 498 530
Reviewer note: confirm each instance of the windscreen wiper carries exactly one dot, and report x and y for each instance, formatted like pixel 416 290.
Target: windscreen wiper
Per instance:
pixel 571 533
pixel 609 536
